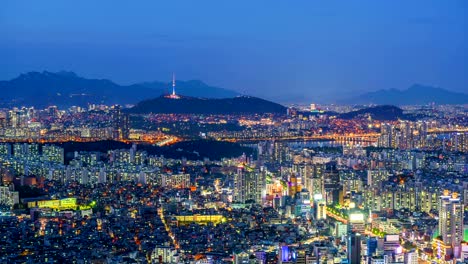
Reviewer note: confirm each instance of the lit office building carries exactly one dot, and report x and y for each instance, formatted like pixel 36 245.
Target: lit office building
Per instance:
pixel 354 248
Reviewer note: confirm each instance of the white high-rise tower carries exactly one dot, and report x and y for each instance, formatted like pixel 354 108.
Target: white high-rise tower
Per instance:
pixel 173 85
pixel 173 95
pixel 451 221
pixel 249 184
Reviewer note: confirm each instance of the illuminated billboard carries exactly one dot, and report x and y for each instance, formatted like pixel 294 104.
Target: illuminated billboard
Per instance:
pixel 356 217
pixel 392 238
pixel 318 196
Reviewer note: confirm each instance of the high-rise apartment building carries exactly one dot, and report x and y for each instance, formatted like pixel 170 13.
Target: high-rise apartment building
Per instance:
pixel 249 185
pixel 120 123
pixel 451 222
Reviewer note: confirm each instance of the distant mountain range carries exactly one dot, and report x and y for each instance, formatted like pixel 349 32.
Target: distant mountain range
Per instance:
pixel 191 105
pixel 381 112
pixel 64 89
pixel 416 94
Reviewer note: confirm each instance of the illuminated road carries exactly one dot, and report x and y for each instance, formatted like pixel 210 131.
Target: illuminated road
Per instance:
pixel 336 217
pixel 447 130
pixel 165 141
pixel 168 229
pixel 369 137
pixel 366 137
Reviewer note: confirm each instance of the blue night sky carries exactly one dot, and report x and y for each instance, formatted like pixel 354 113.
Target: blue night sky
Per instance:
pixel 282 50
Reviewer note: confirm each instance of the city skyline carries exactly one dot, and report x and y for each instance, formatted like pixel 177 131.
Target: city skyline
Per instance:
pixel 246 132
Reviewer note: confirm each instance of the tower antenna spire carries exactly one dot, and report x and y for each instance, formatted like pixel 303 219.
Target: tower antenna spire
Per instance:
pixel 173 84
pixel 173 95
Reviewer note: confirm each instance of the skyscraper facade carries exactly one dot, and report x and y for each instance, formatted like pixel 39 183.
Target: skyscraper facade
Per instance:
pixel 451 223
pixel 248 185
pixel 354 248
pixel 120 123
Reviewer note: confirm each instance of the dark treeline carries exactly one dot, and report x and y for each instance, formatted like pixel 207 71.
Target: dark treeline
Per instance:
pixel 191 150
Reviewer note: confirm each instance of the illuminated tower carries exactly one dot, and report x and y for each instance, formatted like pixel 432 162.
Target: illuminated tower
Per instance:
pixel 173 85
pixel 173 95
